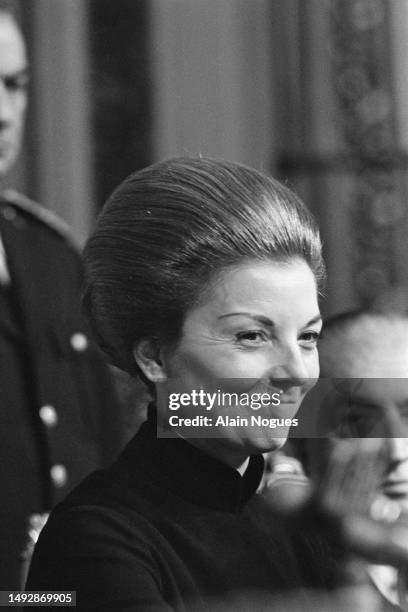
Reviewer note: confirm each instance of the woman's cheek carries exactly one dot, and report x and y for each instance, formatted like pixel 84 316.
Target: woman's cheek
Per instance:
pixel 248 369
pixel 316 364
pixel 313 370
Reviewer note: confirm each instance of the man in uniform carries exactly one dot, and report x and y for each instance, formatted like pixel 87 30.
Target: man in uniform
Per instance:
pixel 57 406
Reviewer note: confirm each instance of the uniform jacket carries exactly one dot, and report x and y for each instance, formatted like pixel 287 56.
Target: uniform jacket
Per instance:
pixel 58 414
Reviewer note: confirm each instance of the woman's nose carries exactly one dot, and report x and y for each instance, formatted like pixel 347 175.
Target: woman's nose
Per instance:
pixel 397 449
pixel 289 364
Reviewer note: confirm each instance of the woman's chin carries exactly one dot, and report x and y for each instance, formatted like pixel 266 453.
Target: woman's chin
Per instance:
pixel 277 443
pixel 267 445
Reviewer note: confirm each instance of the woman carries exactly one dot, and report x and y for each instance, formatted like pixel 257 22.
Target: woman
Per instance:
pixel 203 276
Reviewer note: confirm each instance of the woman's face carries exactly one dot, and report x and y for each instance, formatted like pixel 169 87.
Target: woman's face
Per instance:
pixel 254 331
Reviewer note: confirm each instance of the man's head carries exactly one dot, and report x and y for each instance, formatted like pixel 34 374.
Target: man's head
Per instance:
pixel 364 344
pixel 368 352
pixel 13 89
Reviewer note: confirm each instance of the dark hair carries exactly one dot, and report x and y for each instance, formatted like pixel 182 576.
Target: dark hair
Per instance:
pixel 168 229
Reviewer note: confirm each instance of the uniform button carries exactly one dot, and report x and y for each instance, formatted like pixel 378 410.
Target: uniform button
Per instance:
pixel 9 213
pixel 48 415
pixel 59 475
pixel 79 342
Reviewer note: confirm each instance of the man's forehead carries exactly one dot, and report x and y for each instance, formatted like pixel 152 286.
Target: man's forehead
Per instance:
pixel 13 58
pixel 372 348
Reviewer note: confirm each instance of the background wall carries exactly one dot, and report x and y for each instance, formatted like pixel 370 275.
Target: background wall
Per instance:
pixel 212 79
pixel 314 92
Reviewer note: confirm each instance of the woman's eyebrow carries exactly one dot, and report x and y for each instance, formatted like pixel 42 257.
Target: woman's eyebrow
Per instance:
pixel 266 320
pixel 260 318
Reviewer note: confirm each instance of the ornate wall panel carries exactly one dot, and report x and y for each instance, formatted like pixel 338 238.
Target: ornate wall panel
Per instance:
pixel 362 71
pixel 346 160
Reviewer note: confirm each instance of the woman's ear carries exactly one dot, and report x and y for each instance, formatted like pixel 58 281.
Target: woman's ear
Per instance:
pixel 147 355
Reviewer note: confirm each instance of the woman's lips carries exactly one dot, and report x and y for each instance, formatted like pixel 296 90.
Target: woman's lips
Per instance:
pixel 395 488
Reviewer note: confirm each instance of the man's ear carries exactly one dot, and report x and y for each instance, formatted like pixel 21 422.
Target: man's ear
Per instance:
pixel 147 355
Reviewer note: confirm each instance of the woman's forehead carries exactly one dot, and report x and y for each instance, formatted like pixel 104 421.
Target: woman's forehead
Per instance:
pixel 268 289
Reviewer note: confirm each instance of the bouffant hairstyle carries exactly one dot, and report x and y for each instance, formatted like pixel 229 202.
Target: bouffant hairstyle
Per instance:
pixel 168 230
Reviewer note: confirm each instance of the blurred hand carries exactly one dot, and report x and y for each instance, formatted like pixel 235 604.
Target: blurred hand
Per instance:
pixel 350 599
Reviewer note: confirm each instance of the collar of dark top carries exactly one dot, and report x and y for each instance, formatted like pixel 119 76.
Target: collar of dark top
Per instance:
pixel 178 466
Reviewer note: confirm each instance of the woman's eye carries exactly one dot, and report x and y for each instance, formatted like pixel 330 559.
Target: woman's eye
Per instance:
pixel 250 338
pixel 310 337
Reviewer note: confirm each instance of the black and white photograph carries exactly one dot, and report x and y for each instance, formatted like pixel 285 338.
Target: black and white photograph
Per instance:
pixel 204 305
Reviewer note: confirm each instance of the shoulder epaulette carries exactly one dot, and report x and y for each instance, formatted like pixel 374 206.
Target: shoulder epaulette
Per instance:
pixel 40 213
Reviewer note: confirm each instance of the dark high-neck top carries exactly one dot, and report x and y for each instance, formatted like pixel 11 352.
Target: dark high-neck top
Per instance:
pixel 167 527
